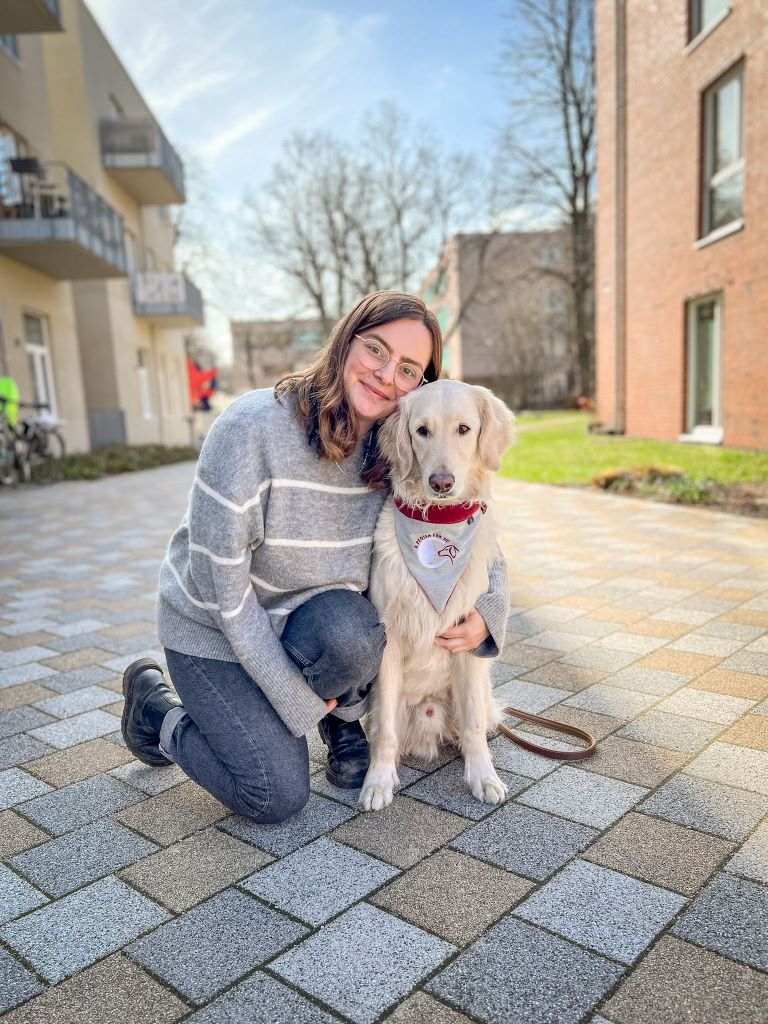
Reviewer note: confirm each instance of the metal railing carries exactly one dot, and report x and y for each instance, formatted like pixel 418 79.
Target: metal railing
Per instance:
pixel 138 142
pixel 158 293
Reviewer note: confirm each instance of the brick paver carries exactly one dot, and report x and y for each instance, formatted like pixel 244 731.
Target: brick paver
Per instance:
pixel 630 888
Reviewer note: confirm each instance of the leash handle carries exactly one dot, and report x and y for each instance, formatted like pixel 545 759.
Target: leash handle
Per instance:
pixel 558 755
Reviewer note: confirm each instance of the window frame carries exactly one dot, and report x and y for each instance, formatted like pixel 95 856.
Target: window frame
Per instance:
pixel 711 180
pixel 710 433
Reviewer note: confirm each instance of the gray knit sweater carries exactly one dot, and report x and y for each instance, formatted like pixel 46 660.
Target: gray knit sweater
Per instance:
pixel 268 526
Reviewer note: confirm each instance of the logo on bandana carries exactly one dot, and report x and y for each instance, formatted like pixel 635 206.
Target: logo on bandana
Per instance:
pixel 432 548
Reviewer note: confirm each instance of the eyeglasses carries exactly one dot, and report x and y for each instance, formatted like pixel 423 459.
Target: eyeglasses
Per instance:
pixel 376 356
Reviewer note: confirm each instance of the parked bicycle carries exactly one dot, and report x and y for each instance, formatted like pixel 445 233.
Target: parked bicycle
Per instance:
pixel 33 450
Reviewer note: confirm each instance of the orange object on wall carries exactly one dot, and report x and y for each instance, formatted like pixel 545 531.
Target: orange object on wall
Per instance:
pixel 202 384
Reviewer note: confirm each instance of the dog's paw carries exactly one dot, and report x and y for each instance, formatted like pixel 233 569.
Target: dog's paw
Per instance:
pixel 485 786
pixel 379 788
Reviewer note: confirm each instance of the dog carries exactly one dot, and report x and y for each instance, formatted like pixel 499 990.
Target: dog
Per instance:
pixel 443 442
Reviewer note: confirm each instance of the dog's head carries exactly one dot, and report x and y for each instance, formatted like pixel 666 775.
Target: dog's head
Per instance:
pixel 444 439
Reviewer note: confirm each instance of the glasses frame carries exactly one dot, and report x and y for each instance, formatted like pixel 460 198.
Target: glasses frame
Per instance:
pixel 398 363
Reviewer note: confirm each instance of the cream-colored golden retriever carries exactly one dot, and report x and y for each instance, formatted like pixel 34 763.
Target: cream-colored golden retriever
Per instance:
pixel 443 442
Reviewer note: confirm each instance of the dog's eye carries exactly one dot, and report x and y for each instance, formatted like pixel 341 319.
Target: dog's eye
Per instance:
pixel 463 428
pixel 423 431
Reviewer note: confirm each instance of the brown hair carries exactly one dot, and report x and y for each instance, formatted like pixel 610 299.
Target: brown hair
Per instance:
pixel 321 405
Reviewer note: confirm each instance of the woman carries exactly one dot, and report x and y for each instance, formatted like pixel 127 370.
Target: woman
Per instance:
pixel 266 630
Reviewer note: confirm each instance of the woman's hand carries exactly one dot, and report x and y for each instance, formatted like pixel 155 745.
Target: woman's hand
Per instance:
pixel 466 635
pixel 331 704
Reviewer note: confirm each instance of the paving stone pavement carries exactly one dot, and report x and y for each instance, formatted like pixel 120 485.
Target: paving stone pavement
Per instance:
pixel 632 888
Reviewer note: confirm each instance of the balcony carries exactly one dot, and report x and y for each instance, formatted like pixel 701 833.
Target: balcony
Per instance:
pixel 22 16
pixel 141 159
pixel 168 299
pixel 52 221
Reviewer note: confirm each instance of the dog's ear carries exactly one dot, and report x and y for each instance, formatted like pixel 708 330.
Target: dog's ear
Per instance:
pixel 497 428
pixel 395 441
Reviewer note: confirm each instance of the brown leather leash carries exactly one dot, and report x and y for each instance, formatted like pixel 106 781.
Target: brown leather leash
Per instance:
pixel 536 748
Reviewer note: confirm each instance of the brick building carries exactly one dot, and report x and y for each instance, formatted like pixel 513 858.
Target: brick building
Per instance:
pixel 682 246
pixel 503 309
pixel 265 350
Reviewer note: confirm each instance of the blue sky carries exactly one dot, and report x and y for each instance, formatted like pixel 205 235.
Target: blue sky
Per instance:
pixel 230 80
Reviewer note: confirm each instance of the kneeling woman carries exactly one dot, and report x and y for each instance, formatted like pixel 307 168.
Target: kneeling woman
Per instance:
pixel 262 613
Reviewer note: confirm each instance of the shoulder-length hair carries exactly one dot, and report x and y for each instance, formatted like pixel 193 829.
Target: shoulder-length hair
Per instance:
pixel 321 405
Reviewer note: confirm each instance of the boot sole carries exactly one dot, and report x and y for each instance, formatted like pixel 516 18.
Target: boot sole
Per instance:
pixel 134 669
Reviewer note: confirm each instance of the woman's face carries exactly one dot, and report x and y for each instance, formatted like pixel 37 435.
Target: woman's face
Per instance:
pixel 373 394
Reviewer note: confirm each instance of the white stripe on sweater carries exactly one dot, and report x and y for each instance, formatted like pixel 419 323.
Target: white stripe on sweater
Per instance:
pixel 327 488
pixel 209 604
pixel 218 559
pixel 286 590
pixel 289 542
pixel 231 504
pixel 279 482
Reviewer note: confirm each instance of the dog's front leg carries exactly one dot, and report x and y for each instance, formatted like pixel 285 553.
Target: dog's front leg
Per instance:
pixel 381 779
pixel 471 687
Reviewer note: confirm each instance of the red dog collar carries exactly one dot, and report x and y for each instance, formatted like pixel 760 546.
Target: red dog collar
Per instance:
pixel 441 514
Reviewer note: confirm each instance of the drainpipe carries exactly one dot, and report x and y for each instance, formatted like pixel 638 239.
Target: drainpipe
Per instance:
pixel 620 212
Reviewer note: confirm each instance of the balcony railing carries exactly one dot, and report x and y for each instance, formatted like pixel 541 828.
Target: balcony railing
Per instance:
pixel 21 16
pixel 55 223
pixel 168 298
pixel 139 157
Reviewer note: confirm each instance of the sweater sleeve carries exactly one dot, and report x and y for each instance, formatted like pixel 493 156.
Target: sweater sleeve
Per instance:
pixel 224 526
pixel 494 606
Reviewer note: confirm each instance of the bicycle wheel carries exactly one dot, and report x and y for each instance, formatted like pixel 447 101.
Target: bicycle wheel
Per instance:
pixel 8 473
pixel 48 459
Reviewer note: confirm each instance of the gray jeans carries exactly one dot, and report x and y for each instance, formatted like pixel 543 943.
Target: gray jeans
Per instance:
pixel 228 738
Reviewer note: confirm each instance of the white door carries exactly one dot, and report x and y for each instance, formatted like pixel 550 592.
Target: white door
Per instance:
pixel 704 361
pixel 39 356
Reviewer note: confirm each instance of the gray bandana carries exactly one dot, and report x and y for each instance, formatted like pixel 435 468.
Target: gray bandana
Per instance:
pixel 436 553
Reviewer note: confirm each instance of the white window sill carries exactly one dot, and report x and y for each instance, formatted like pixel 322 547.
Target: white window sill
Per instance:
pixel 723 232
pixel 703 435
pixel 699 39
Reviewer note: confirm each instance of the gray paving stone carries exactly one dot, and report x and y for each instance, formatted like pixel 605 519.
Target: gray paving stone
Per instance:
pixel 611 700
pixel 206 949
pixel 556 640
pixel 402 833
pixel 70 861
pixel 120 664
pixel 19 749
pixel 149 780
pixel 66 682
pixel 752 859
pixel 261 1000
pixel 516 972
pixel 447 789
pixel 316 818
pixel 76 702
pixel 16 982
pixel 16 895
pixel 598 657
pixel 20 720
pixel 452 895
pixel 647 680
pixel 730 917
pixel 508 756
pixel 420 1008
pixel 746 661
pixel 584 797
pixel 23 655
pixel 529 696
pixel 16 785
pixel 28 673
pixel 173 814
pixel 680 983
pixel 308 883
pixel 706 806
pixel 733 766
pixel 321 785
pixel 79 929
pixel 70 731
pixel 602 909
pixel 686 735
pixel 630 761
pixel 364 942
pixel 65 809
pixel 525 841
pixel 502 672
pixel 710 707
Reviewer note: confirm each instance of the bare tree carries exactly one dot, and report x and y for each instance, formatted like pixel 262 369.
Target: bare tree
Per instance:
pixel 341 220
pixel 549 143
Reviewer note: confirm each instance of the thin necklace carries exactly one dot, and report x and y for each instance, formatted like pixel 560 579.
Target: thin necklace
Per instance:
pixel 361 470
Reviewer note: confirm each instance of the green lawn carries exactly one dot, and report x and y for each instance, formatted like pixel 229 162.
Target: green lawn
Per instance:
pixel 555 448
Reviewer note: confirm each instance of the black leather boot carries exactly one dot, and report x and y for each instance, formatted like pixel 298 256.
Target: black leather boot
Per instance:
pixel 147 699
pixel 348 752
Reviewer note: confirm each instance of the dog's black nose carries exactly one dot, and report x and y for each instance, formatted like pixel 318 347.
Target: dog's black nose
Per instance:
pixel 442 482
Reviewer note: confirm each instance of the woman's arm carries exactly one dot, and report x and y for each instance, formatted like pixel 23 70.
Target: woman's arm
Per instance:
pixel 484 629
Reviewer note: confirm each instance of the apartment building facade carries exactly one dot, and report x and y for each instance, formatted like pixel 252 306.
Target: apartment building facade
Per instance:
pixel 92 311
pixel 682 245
pixel 503 309
pixel 263 351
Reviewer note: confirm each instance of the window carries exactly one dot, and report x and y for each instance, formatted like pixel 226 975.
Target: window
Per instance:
pixel 723 191
pixel 706 12
pixel 10 44
pixel 131 247
pixel 10 189
pixel 39 360
pixel 144 392
pixel 704 415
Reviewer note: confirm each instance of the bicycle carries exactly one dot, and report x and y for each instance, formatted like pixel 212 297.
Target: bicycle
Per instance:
pixel 37 447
